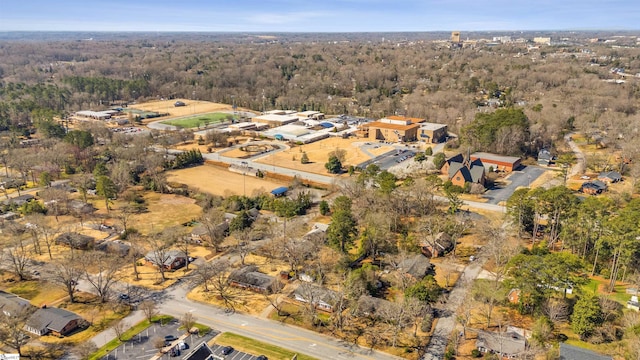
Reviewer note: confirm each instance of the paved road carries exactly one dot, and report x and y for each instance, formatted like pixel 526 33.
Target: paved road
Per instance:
pixel 447 320
pixel 581 164
pixel 288 337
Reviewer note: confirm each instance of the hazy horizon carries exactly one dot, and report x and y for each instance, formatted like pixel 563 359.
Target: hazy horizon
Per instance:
pixel 330 16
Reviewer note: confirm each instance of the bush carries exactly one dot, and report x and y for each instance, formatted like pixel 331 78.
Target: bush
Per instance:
pixel 324 207
pixel 476 353
pixel 304 159
pixel 429 151
pixel 439 160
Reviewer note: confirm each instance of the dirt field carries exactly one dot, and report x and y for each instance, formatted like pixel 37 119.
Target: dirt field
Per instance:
pixel 318 153
pixel 219 181
pixel 192 107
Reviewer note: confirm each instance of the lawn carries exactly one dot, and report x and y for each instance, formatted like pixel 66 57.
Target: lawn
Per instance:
pixel 255 347
pixel 198 120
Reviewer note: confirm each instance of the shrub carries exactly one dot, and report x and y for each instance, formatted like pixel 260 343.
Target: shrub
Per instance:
pixel 429 151
pixel 476 353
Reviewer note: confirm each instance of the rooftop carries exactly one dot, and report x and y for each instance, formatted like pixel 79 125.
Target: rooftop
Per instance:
pixel 494 157
pixel 432 126
pixel 403 118
pixel 381 125
pixel 570 352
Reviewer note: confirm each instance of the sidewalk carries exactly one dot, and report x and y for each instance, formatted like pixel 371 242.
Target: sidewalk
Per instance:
pixel 108 334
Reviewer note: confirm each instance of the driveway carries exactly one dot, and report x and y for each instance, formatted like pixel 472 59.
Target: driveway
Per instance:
pixel 519 178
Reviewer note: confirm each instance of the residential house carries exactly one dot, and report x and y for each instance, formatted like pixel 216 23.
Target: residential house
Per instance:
pixel 497 162
pixel 19 200
pixel 417 266
pixel 12 304
pixel 200 233
pixel 510 345
pixel 59 322
pixel 570 352
pixel 322 298
pixel 250 278
pixel 318 232
pixel 79 207
pixel 461 170
pixel 610 177
pixel 373 307
pixel 201 352
pixel 9 215
pixel 437 245
pixel 594 187
pixel 544 157
pixel 116 247
pixel 170 259
pixel 75 240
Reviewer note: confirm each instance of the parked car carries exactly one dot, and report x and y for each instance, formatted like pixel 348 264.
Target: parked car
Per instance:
pixel 227 350
pixel 183 346
pixel 262 357
pixel 169 339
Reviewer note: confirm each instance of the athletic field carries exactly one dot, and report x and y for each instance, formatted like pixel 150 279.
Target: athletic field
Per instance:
pixel 198 121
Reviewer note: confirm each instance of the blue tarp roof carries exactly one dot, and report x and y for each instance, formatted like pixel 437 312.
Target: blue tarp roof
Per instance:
pixel 279 191
pixel 327 125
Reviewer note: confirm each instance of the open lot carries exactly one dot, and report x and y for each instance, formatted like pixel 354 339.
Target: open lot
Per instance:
pixel 318 153
pixel 219 181
pixel 199 120
pixel 192 107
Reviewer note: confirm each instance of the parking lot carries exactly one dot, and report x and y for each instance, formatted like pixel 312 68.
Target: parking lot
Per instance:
pixel 521 177
pixel 143 345
pixel 389 159
pixel 235 355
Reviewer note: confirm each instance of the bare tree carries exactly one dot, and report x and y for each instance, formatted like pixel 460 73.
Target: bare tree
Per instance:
pixel 221 289
pixel 215 225
pixel 66 272
pixel 85 350
pixel 18 257
pixel 188 321
pixel 106 272
pixel 149 309
pixel 12 328
pixel 205 273
pixel 119 328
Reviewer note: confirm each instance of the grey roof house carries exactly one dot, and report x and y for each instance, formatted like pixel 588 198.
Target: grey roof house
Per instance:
pixel 570 352
pixel 250 278
pixel 509 345
pixel 76 240
pixel 322 298
pixel 170 259
pixel 610 177
pixel 12 304
pixel 417 266
pixel 59 322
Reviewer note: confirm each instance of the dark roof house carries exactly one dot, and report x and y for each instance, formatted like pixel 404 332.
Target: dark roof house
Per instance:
pixel 570 352
pixel 19 200
pixel 417 266
pixel 76 241
pixel 593 187
pixel 171 259
pixel 202 352
pixel 610 176
pixel 250 278
pixel 53 320
pixel 116 247
pixel 437 245
pixel 372 306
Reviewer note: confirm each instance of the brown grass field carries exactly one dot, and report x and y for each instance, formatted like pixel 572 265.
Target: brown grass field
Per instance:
pixel 218 181
pixel 193 107
pixel 318 153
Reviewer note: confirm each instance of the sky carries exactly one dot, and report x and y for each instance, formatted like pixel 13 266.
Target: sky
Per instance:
pixel 318 15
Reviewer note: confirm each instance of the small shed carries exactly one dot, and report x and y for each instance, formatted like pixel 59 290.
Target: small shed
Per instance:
pixel 281 191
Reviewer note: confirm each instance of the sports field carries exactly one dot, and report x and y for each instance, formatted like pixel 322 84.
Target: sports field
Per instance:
pixel 198 120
